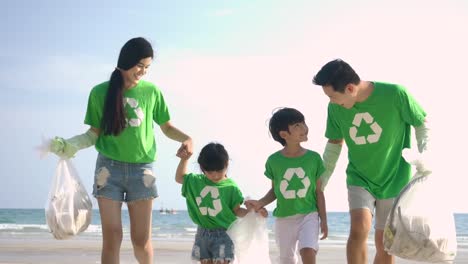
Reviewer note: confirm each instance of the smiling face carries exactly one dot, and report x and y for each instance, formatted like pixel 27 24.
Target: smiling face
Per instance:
pixel 347 99
pixel 133 75
pixel 297 133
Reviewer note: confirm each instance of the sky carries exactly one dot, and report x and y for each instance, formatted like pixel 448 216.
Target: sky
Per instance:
pixel 224 67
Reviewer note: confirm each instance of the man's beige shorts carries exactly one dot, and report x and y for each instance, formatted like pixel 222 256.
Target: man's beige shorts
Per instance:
pixel 359 197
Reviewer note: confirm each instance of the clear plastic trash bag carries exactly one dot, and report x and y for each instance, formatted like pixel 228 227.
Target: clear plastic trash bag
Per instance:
pixel 420 225
pixel 250 237
pixel 68 209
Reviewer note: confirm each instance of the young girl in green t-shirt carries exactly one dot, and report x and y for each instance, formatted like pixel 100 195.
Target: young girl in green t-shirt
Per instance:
pixel 213 203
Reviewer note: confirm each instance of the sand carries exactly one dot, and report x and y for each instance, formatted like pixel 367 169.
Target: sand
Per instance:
pixel 84 251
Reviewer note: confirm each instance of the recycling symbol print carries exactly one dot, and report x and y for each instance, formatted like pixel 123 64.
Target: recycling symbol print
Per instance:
pixel 361 140
pixel 291 194
pixel 217 207
pixel 137 118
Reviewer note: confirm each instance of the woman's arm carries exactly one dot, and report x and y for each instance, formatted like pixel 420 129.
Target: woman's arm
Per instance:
pixel 67 148
pixel 175 134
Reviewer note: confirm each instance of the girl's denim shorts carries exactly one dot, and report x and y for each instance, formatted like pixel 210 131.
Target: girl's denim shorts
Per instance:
pixel 212 244
pixel 123 181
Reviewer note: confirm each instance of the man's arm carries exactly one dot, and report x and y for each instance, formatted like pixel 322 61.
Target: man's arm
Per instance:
pixel 422 136
pixel 330 158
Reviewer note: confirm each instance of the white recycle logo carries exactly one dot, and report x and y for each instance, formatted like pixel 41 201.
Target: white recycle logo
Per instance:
pixel 133 103
pixel 217 207
pixel 291 194
pixel 373 125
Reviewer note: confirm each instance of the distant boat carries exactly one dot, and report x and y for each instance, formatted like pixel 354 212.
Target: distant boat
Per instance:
pixel 167 211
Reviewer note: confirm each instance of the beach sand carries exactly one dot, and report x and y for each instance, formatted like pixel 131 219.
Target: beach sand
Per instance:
pixel 83 251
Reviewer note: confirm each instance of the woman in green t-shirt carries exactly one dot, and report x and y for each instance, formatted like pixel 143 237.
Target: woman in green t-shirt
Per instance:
pixel 121 113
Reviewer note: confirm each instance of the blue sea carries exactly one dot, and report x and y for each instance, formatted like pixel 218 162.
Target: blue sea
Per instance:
pixel 175 226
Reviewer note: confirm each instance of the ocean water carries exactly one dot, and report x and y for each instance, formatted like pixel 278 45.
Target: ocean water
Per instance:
pixel 31 223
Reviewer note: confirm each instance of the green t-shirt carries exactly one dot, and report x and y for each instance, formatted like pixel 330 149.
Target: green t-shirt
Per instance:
pixel 210 205
pixel 294 181
pixel 376 131
pixel 144 104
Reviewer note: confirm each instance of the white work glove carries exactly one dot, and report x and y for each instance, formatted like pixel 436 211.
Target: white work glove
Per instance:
pixel 67 148
pixel 330 157
pixel 422 136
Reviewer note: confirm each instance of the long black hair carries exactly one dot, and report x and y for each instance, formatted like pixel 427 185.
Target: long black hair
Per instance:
pixel 113 120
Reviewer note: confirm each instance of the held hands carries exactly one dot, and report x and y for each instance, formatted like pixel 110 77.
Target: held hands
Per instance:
pixel 257 207
pixel 263 212
pixel 186 149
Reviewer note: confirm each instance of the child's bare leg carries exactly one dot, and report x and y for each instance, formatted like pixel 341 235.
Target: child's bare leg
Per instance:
pixel 308 255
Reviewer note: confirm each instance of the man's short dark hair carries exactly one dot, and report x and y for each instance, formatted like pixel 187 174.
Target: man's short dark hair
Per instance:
pixel 281 120
pixel 336 73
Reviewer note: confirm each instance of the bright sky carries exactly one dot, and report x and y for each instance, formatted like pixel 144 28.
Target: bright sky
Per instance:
pixel 223 67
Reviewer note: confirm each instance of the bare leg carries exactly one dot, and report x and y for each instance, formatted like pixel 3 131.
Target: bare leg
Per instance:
pixel 356 248
pixel 111 230
pixel 381 256
pixel 140 230
pixel 308 255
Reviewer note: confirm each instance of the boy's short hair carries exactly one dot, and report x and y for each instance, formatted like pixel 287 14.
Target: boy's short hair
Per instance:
pixel 281 120
pixel 213 157
pixel 336 73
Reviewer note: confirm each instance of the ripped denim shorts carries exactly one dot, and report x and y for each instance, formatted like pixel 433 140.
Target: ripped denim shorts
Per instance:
pixel 212 244
pixel 123 181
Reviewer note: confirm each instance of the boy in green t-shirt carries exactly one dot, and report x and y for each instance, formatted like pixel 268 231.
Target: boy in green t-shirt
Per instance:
pixel 213 203
pixel 294 172
pixel 374 119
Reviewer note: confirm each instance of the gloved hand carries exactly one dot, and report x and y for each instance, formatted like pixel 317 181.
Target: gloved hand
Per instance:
pixel 422 136
pixel 422 161
pixel 67 148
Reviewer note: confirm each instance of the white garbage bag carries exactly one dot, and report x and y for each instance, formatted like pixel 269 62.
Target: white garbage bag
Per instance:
pixel 420 225
pixel 250 237
pixel 68 209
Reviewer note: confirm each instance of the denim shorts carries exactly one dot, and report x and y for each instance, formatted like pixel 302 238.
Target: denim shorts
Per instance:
pixel 123 181
pixel 212 244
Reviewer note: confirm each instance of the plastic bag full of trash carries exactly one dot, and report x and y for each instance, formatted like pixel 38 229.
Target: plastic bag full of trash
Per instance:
pixel 420 226
pixel 68 209
pixel 250 237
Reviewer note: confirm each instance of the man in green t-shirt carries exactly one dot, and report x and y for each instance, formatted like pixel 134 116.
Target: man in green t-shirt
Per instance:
pixel 374 119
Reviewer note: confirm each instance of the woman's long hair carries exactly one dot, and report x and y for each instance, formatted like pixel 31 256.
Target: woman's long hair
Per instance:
pixel 113 120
